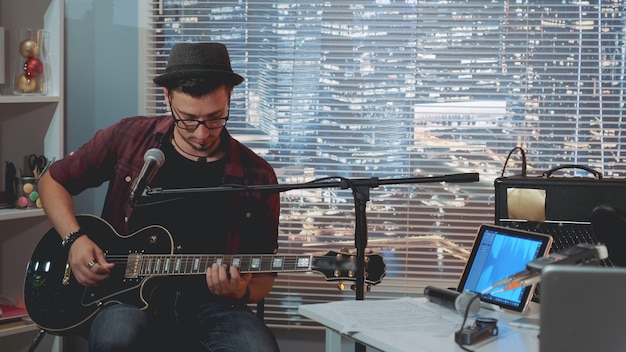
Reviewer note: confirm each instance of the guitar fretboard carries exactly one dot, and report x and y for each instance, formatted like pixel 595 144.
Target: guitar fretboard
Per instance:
pixel 157 264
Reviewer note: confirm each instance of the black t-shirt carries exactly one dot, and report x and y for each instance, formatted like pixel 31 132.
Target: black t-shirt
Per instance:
pixel 196 220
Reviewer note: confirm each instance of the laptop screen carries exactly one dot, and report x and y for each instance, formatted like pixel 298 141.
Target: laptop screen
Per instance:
pixel 498 253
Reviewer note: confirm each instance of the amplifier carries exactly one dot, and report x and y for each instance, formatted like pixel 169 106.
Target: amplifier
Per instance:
pixel 556 198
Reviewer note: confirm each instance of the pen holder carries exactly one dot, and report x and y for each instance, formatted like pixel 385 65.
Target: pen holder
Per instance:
pixel 29 194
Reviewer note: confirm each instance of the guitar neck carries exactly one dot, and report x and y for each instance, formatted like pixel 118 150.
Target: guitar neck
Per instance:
pixel 140 264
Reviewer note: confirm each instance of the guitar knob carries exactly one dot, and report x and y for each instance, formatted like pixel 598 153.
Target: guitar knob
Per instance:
pixel 368 288
pixel 341 286
pixel 353 287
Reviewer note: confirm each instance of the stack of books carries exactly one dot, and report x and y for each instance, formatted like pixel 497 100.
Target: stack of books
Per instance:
pixel 9 313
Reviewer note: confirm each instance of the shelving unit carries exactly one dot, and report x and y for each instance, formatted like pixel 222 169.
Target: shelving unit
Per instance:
pixel 28 124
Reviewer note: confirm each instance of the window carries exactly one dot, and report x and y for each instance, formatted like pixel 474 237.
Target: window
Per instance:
pixel 404 89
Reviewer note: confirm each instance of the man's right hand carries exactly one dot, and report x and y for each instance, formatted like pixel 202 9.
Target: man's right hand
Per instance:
pixel 88 262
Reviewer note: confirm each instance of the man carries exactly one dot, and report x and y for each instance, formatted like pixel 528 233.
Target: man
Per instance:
pixel 202 312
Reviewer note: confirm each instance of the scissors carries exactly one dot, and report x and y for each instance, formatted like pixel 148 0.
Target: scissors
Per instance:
pixel 37 163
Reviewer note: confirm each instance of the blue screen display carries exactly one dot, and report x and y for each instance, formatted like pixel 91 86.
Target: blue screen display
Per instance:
pixel 497 257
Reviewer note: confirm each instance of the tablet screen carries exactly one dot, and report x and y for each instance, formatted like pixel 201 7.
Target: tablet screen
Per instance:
pixel 498 253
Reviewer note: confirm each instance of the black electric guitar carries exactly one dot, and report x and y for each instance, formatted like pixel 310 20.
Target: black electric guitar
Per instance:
pixel 58 304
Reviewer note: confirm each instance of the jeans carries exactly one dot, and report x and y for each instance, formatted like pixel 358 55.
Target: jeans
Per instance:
pixel 213 326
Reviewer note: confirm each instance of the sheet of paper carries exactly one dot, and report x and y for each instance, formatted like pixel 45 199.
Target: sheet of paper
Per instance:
pixel 398 314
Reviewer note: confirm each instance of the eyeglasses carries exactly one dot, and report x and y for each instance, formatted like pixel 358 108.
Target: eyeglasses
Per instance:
pixel 192 125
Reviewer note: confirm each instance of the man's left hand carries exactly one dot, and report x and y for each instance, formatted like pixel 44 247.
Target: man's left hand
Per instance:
pixel 227 281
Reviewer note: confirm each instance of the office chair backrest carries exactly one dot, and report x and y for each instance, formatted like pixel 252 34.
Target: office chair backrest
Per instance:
pixel 609 226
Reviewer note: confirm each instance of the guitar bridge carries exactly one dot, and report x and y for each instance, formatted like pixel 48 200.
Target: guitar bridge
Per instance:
pixel 133 266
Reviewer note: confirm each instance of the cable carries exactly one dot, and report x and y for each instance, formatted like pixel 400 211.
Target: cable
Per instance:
pixel 37 340
pixel 523 153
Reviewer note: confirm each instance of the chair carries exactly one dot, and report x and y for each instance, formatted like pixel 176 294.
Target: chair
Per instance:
pixel 609 226
pixel 260 309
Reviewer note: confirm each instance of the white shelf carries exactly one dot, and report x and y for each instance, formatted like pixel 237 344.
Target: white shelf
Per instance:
pixel 17 327
pixel 29 124
pixel 12 214
pixel 28 99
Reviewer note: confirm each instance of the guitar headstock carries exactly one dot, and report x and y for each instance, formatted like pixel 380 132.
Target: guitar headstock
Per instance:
pixel 337 266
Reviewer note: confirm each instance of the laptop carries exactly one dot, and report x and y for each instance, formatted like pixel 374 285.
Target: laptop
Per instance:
pixel 561 207
pixel 582 309
pixel 499 252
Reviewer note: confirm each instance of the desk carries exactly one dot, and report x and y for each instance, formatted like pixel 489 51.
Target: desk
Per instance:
pixel 411 324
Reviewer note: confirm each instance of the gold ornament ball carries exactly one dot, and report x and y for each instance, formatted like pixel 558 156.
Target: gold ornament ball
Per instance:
pixel 29 48
pixel 25 84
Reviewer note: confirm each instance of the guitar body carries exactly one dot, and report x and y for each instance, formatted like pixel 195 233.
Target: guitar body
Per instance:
pixel 59 304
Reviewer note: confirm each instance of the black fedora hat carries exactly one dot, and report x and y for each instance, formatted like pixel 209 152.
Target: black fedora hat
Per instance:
pixel 198 60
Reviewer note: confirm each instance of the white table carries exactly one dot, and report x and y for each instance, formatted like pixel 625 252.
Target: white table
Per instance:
pixel 411 324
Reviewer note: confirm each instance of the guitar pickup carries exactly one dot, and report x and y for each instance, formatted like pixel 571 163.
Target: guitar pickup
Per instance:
pixel 133 266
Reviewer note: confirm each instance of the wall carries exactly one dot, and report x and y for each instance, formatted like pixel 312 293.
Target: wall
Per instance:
pixel 101 61
pixel 101 42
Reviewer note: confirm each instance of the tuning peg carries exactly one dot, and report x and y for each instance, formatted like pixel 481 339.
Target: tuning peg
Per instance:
pixel 341 286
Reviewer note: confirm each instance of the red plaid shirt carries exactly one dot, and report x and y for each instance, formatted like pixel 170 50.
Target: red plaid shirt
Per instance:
pixel 115 154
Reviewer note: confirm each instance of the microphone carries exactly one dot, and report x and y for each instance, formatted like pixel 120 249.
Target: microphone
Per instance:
pixel 460 302
pixel 462 178
pixel 153 160
pixel 467 303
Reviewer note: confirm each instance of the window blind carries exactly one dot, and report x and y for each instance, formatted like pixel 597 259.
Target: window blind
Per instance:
pixel 400 89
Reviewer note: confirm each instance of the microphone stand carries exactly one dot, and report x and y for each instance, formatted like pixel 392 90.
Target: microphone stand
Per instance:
pixel 360 192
